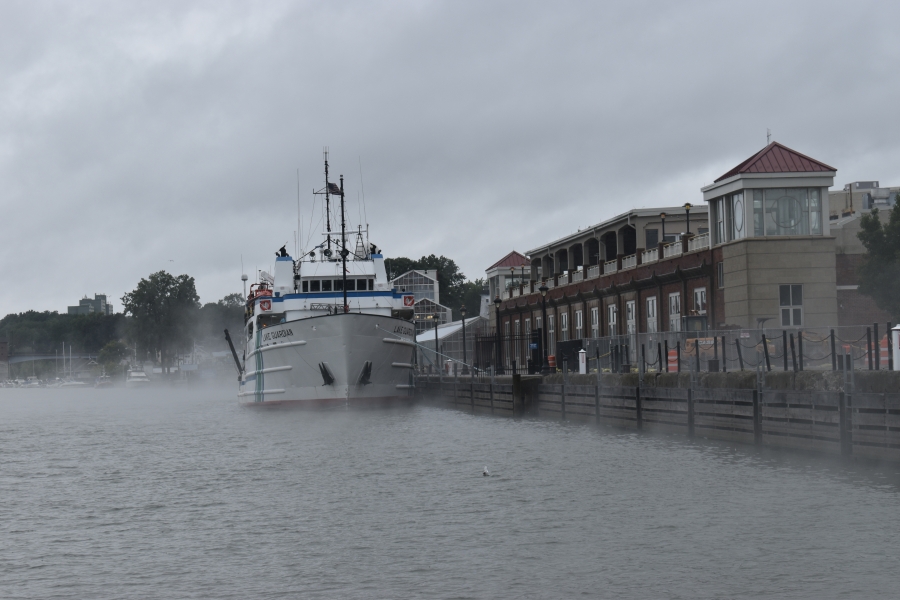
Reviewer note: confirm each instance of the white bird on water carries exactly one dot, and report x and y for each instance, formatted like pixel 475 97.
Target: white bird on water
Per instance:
pixel 486 473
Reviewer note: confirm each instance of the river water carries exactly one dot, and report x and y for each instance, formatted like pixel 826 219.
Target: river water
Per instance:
pixel 184 494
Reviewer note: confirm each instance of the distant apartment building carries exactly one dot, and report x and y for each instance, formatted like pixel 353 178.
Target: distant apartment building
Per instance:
pixel 761 251
pixel 87 306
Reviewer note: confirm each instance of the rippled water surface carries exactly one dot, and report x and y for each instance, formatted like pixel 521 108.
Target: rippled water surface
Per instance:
pixel 162 494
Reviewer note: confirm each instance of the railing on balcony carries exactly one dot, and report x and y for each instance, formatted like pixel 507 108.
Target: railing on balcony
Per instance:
pixel 593 272
pixel 610 267
pixel 516 292
pixel 673 249
pixel 577 276
pixel 698 242
pixel 550 283
pixel 649 256
pixel 629 262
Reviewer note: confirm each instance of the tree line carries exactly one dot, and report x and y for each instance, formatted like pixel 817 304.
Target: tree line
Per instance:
pixel 162 317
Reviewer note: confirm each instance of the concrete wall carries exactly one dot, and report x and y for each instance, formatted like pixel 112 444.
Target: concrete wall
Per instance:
pixel 754 268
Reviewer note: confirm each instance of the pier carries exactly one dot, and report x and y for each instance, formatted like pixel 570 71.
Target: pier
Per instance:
pixel 845 413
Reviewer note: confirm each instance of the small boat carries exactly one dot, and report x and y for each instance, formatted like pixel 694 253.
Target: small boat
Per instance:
pixel 72 384
pixel 135 379
pixel 104 381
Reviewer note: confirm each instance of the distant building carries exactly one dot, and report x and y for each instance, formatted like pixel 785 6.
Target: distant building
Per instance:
pixel 86 306
pixel 860 196
pixel 423 284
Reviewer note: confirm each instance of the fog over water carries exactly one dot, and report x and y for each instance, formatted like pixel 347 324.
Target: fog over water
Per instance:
pixel 158 494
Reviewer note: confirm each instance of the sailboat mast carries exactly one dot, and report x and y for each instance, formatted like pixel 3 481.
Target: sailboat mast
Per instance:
pixel 344 250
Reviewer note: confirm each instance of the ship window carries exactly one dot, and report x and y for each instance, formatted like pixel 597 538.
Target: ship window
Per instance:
pixel 314 285
pixel 351 285
pixel 339 285
pixel 326 285
pixel 305 287
pixel 371 284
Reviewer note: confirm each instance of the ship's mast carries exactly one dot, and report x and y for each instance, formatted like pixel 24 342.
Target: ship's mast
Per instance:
pixel 344 250
pixel 328 205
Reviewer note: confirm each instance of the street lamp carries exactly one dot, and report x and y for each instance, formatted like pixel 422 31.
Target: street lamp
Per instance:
pixel 462 311
pixel 662 216
pixel 545 367
pixel 499 369
pixel 687 211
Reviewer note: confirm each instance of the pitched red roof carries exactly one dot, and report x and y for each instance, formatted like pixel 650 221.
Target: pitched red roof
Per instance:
pixel 513 259
pixel 776 158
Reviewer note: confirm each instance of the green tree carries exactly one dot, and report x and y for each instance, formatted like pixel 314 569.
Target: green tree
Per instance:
pixel 396 267
pixel 164 309
pixel 215 317
pixel 879 274
pixel 111 355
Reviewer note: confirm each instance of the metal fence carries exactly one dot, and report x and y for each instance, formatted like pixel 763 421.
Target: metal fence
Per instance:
pixel 788 349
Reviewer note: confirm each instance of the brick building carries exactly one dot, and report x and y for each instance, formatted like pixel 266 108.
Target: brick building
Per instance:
pixel 767 255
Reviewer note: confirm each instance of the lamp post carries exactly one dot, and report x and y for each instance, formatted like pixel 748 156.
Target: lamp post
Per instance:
pixel 462 311
pixel 662 217
pixel 499 368
pixel 687 212
pixel 545 367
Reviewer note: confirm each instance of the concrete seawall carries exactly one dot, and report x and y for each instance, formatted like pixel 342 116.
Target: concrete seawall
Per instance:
pixel 841 413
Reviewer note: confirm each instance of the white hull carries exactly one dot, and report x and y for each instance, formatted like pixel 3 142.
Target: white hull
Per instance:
pixel 288 368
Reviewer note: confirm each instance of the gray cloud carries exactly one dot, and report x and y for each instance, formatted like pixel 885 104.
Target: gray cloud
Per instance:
pixel 135 134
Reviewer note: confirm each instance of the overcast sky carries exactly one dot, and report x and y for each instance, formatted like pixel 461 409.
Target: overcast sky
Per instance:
pixel 139 136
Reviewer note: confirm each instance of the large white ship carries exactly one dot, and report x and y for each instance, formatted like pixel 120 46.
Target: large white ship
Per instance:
pixel 328 329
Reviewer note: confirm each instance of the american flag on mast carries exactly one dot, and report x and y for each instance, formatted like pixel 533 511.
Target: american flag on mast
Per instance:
pixel 333 188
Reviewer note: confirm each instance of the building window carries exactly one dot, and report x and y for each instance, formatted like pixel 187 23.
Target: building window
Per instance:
pixel 629 317
pixel 518 341
pixel 675 312
pixel 595 322
pixel 579 324
pixel 651 315
pixel 791 301
pixel 718 206
pixel 700 301
pixel 564 327
pixel 506 352
pixel 720 274
pixel 738 231
pixel 528 328
pixel 652 236
pixel 611 319
pixel 551 335
pixel 787 211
